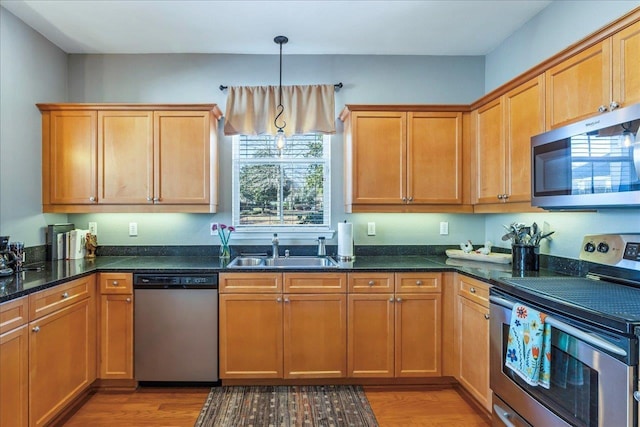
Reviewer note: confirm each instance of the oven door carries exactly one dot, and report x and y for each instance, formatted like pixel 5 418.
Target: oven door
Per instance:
pixel 588 388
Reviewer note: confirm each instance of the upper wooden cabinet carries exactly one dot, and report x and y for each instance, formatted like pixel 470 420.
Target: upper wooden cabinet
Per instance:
pixel 601 78
pixel 503 129
pixel 400 160
pixel 126 157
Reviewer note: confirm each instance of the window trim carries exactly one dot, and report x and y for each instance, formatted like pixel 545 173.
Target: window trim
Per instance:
pixel 297 231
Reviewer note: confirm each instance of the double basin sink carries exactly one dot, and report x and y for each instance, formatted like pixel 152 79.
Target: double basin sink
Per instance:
pixel 283 262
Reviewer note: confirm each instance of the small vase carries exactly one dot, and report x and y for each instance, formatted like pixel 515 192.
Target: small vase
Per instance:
pixel 525 258
pixel 225 251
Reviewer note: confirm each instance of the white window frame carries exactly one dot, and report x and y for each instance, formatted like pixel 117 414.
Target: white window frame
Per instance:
pixel 305 232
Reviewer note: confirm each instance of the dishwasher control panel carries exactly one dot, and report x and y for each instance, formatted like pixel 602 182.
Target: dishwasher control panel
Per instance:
pixel 184 281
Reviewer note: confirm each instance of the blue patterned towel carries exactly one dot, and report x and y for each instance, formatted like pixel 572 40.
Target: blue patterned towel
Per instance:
pixel 529 346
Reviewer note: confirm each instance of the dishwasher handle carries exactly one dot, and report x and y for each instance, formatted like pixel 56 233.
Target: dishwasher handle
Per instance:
pixel 175 281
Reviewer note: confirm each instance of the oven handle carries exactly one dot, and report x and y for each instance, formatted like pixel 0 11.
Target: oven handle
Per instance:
pixel 564 327
pixel 503 415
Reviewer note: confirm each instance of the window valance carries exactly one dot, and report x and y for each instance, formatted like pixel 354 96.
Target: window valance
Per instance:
pixel 307 108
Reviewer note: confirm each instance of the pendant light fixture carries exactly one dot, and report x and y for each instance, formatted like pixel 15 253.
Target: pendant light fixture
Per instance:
pixel 280 139
pixel 627 135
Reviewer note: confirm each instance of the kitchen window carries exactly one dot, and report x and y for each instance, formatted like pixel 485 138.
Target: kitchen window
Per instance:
pixel 285 190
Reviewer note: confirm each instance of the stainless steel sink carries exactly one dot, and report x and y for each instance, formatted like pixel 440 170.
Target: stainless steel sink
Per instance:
pixel 283 262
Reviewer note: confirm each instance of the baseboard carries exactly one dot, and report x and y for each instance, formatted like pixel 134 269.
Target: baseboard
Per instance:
pixel 436 381
pixel 481 410
pixel 124 385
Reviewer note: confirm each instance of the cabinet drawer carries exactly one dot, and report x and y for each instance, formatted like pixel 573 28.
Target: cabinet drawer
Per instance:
pixel 371 282
pixel 250 282
pixel 418 282
pixel 115 283
pixel 474 290
pixel 315 282
pixel 50 300
pixel 13 314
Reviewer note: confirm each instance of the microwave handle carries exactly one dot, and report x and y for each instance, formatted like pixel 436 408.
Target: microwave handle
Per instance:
pixel 568 329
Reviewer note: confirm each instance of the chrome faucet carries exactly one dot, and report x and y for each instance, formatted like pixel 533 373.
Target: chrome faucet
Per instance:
pixel 275 245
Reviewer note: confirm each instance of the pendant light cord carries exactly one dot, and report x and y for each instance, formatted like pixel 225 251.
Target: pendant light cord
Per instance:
pixel 280 40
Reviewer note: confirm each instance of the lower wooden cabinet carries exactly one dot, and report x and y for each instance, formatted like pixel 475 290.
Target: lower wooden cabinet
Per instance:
pixel 265 333
pixel 394 334
pixel 473 335
pixel 62 348
pixel 116 326
pixel 14 364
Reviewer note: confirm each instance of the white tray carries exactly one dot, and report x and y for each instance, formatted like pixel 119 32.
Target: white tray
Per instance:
pixel 492 257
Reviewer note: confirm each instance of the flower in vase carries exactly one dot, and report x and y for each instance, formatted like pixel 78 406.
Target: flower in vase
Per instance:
pixel 224 233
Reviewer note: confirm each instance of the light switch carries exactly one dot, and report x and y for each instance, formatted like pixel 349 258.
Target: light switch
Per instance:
pixel 444 228
pixel 133 229
pixel 371 229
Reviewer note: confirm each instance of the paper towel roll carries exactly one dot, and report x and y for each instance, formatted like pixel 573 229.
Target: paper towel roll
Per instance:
pixel 345 239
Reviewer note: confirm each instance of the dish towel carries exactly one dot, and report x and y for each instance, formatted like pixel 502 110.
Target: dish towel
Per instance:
pixel 529 346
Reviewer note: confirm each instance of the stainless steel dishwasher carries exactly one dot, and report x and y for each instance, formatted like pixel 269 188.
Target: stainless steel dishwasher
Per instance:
pixel 176 327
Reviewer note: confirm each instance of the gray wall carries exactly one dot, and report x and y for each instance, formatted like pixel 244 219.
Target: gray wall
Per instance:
pixel 42 76
pixel 31 70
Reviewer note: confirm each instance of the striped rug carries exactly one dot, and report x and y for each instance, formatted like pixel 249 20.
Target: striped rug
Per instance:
pixel 287 406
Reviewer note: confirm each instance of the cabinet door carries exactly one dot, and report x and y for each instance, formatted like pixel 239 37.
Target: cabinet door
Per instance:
pixel 626 73
pixel 474 350
pixel 434 153
pixel 418 335
pixel 577 87
pixel 370 336
pixel 490 153
pixel 125 157
pixel 70 158
pixel 250 336
pixel 315 336
pixel 524 118
pixel 62 359
pixel 378 158
pixel 14 378
pixel 116 336
pixel 182 150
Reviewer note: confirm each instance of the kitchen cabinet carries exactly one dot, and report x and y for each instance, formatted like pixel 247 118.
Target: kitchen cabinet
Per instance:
pixel 394 327
pixel 128 157
pixel 601 78
pixel 62 347
pixel 402 160
pixel 14 363
pixel 473 338
pixel 275 325
pixel 503 130
pixel 116 326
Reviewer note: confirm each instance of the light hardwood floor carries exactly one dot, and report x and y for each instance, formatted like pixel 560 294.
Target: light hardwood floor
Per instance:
pixel 393 407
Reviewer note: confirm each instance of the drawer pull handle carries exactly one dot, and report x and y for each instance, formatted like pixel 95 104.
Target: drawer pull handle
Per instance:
pixel 418 282
pixel 36 329
pixel 65 295
pixel 371 283
pixel 472 290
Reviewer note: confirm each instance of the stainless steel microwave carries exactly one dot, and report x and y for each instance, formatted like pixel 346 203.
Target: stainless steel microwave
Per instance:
pixel 591 164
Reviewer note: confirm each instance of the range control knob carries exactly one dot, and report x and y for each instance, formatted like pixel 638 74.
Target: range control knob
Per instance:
pixel 589 247
pixel 603 247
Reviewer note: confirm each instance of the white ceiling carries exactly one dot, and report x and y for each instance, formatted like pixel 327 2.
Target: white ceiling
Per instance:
pixel 415 27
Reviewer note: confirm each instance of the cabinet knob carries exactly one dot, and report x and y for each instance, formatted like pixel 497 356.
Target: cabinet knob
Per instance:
pixel 115 283
pixel 418 282
pixel 602 109
pixel 391 299
pixel 149 199
pixel 286 300
pixel 92 198
pixel 371 283
pixel 410 199
pixel 404 200
pixel 486 316
pixel 613 105
pixel 156 199
pixel 505 196
pixel 36 329
pixel 399 299
pixel 65 295
pixel 278 299
pixel 500 196
pixel 472 290
pixel 128 300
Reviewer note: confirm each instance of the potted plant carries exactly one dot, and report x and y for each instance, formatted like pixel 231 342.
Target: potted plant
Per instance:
pixel 525 245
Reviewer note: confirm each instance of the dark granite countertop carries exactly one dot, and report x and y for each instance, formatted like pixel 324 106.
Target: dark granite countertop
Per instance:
pixel 57 272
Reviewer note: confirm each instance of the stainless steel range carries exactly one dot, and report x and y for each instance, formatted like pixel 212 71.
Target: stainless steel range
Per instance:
pixel 594 323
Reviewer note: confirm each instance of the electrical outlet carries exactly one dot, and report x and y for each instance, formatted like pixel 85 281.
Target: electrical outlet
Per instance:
pixel 93 228
pixel 371 229
pixel 444 228
pixel 133 229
